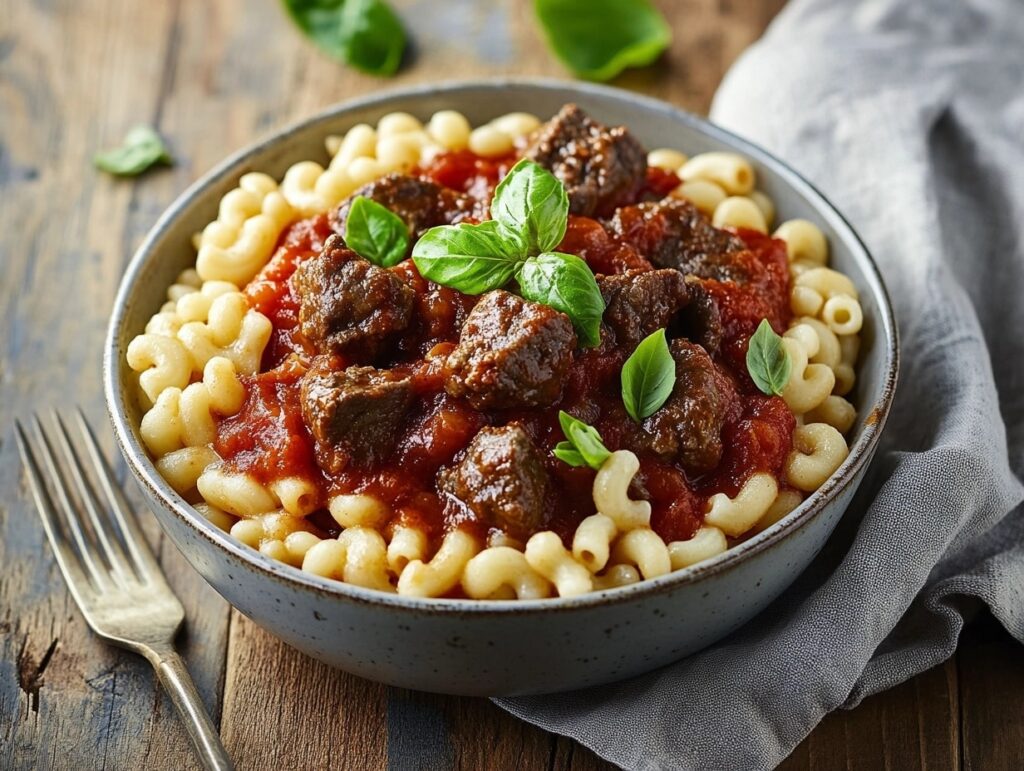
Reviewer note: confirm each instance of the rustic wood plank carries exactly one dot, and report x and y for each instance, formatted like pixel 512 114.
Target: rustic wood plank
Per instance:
pixel 284 710
pixel 912 726
pixel 991 669
pixel 73 77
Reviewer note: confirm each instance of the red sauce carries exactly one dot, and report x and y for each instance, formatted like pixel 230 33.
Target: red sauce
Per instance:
pixel 268 438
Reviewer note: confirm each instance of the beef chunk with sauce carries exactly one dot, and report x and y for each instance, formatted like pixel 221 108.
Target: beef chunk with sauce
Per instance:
pixel 688 428
pixel 701 319
pixel 353 414
pixel 346 302
pixel 501 479
pixel 511 353
pixel 420 203
pixel 601 168
pixel 673 233
pixel 638 303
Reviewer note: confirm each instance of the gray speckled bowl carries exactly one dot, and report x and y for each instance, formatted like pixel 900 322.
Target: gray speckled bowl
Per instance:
pixel 491 648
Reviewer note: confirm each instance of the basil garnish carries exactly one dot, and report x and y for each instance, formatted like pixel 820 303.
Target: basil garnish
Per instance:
pixel 141 148
pixel 597 39
pixel 471 258
pixel 531 204
pixel 530 211
pixel 565 283
pixel 376 233
pixel 584 446
pixel 648 377
pixel 767 360
pixel 363 33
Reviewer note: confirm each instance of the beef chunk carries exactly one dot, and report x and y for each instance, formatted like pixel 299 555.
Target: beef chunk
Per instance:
pixel 346 302
pixel 672 233
pixel 639 302
pixel 601 168
pixel 688 428
pixel 701 320
pixel 512 353
pixel 501 478
pixel 353 414
pixel 420 203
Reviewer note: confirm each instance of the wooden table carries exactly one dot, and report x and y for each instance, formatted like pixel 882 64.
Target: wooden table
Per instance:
pixel 212 76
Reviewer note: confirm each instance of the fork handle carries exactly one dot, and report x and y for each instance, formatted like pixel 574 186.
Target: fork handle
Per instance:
pixel 178 683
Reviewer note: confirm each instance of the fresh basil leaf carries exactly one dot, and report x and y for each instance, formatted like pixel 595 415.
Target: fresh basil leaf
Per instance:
pixel 470 258
pixel 597 39
pixel 363 33
pixel 648 377
pixel 768 362
pixel 141 148
pixel 565 282
pixel 584 439
pixel 376 233
pixel 566 453
pixel 531 203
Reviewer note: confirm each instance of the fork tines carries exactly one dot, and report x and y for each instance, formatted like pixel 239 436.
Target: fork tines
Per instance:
pixel 106 548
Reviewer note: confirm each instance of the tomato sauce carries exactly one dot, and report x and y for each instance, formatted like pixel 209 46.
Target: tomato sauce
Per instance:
pixel 268 438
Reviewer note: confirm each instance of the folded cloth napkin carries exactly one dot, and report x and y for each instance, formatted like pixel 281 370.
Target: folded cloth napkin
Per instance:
pixel 910 117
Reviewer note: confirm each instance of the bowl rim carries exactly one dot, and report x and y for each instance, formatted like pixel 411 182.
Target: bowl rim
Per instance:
pixel 146 474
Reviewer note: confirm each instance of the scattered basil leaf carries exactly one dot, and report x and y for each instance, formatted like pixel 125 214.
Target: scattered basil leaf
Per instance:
pixel 583 439
pixel 566 453
pixel 565 282
pixel 363 33
pixel 470 258
pixel 532 204
pixel 648 377
pixel 597 39
pixel 141 148
pixel 376 233
pixel 767 360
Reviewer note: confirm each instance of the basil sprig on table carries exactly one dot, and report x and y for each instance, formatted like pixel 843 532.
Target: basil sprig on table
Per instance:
pixel 648 377
pixel 584 446
pixel 530 210
pixel 141 148
pixel 365 34
pixel 597 39
pixel 376 233
pixel 767 360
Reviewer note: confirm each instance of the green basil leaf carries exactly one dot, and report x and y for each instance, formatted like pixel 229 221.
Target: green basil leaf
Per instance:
pixel 767 360
pixel 566 453
pixel 648 377
pixel 376 233
pixel 470 258
pixel 363 33
pixel 597 39
pixel 141 148
pixel 532 204
pixel 565 282
pixel 584 439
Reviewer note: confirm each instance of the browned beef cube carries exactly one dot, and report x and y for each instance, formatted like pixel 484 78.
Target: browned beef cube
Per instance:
pixel 640 302
pixel 672 233
pixel 688 428
pixel 511 353
pixel 420 203
pixel 601 168
pixel 347 304
pixel 700 320
pixel 354 414
pixel 502 479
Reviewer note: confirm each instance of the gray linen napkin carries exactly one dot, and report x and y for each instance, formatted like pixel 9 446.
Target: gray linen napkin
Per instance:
pixel 910 117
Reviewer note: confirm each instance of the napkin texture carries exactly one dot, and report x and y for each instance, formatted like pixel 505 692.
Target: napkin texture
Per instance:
pixel 909 116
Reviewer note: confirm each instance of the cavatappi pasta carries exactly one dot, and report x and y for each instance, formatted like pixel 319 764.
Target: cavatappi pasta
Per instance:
pixel 201 354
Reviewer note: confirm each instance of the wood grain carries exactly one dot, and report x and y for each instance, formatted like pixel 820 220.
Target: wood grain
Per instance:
pixel 74 76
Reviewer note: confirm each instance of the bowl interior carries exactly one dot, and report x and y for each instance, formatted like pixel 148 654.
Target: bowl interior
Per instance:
pixel 167 250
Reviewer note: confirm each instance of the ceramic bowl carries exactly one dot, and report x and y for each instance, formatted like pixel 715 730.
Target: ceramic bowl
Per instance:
pixel 494 647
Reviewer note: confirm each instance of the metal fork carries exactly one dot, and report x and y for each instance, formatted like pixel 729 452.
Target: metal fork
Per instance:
pixel 109 567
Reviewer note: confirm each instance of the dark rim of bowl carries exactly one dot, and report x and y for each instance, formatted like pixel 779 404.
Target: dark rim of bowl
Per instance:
pixel 860 453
